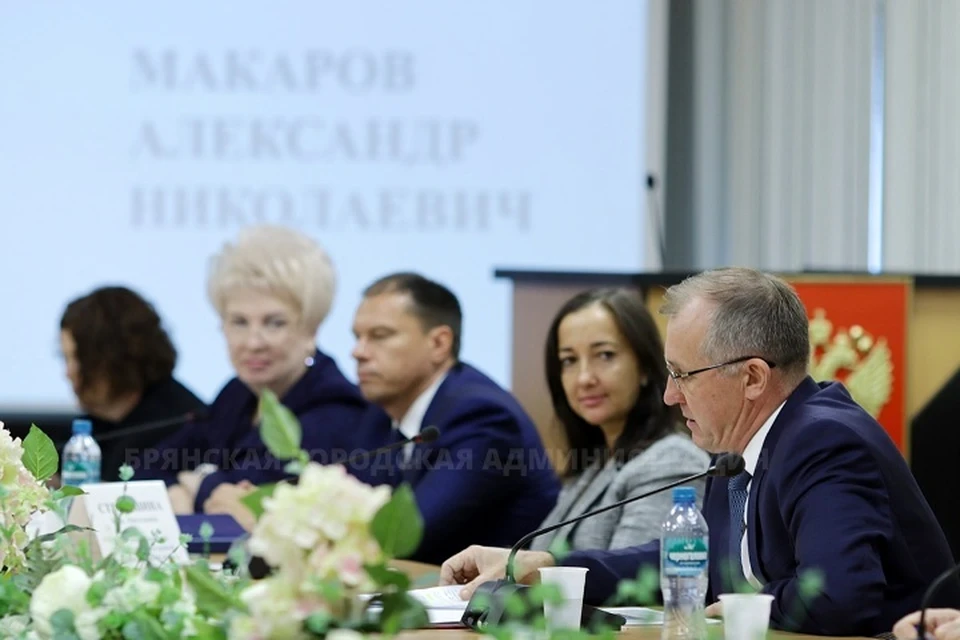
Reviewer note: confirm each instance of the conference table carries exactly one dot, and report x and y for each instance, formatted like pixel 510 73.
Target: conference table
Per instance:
pixel 424 575
pixel 427 575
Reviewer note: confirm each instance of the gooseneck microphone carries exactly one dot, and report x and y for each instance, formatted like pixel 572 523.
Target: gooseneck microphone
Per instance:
pixel 487 606
pixel 426 436
pixel 726 466
pixel 175 421
pixel 932 590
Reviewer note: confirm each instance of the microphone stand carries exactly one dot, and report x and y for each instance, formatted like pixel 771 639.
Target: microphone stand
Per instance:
pixel 515 549
pixel 488 604
pixel 928 596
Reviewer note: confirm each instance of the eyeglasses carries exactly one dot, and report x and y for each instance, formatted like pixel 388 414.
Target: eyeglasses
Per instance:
pixel 677 376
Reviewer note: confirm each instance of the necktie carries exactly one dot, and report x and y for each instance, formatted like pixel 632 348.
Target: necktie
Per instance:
pixel 737 494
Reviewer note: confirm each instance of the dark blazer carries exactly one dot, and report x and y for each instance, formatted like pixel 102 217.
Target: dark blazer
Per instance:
pixel 485 480
pixel 327 405
pixel 831 494
pixel 167 399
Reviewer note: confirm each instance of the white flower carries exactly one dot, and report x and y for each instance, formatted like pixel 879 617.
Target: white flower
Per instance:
pixel 274 612
pixel 85 624
pixel 13 626
pixel 22 497
pixel 184 609
pixel 135 593
pixel 65 588
pixel 326 509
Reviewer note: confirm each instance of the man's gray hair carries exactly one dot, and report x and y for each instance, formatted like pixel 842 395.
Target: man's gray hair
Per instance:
pixel 755 314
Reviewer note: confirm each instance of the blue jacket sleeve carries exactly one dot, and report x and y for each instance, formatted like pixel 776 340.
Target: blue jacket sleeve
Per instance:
pixel 608 568
pixel 461 485
pixel 182 451
pixel 839 516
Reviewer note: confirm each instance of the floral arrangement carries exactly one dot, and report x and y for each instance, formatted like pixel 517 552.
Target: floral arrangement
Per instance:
pixel 22 493
pixel 328 539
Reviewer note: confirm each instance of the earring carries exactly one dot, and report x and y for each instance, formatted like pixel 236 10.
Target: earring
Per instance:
pixel 308 361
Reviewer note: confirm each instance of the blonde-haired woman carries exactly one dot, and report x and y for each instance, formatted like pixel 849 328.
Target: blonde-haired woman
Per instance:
pixel 272 289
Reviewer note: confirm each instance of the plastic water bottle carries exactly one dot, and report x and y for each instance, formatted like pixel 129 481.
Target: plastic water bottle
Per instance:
pixel 81 456
pixel 684 546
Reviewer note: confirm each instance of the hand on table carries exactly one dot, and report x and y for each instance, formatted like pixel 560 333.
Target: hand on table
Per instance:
pixel 190 481
pixel 180 500
pixel 944 624
pixel 226 499
pixel 475 565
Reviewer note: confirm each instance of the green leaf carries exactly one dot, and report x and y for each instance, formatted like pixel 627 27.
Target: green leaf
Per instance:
pixel 319 623
pixel 206 631
pixel 143 543
pixel 62 622
pixel 398 525
pixel 400 611
pixel 279 428
pixel 384 576
pixel 212 598
pixel 40 454
pixel 96 593
pixel 294 467
pixel 68 491
pixel 143 626
pixel 53 535
pixel 254 499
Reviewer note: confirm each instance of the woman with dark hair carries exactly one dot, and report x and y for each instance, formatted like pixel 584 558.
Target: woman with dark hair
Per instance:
pixel 606 374
pixel 120 362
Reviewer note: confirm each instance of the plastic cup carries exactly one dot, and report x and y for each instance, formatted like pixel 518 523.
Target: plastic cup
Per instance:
pixel 570 581
pixel 746 616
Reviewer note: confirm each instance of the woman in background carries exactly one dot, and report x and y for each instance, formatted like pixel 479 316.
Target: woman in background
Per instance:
pixel 272 290
pixel 606 374
pixel 120 362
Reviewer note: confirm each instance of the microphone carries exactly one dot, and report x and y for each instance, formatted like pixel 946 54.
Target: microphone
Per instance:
pixel 932 590
pixel 488 610
pixel 175 421
pixel 426 436
pixel 259 569
pixel 726 466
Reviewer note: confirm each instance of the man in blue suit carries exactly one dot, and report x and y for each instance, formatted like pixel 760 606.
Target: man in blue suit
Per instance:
pixel 486 478
pixel 825 495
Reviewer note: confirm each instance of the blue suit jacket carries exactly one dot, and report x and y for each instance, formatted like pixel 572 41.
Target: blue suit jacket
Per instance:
pixel 485 480
pixel 833 495
pixel 328 406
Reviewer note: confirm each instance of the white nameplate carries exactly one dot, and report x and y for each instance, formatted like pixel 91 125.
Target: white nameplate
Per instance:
pixel 153 516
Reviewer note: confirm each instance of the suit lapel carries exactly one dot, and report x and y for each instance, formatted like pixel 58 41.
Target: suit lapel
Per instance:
pixel 717 513
pixel 589 488
pixel 416 466
pixel 753 521
pixel 754 535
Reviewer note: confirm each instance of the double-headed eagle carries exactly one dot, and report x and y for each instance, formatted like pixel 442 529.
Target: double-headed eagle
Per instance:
pixel 854 357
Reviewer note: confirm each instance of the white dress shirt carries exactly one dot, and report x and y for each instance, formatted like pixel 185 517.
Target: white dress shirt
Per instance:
pixel 751 458
pixel 412 421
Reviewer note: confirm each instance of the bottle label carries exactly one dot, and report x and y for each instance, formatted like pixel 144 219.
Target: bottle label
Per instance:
pixel 685 557
pixel 77 472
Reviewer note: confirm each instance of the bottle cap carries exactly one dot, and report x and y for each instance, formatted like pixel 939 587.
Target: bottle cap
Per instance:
pixel 82 427
pixel 684 495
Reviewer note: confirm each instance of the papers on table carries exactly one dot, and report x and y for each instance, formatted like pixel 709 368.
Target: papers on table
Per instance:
pixel 444 606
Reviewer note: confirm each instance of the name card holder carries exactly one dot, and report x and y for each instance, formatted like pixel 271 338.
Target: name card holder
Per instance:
pixel 152 516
